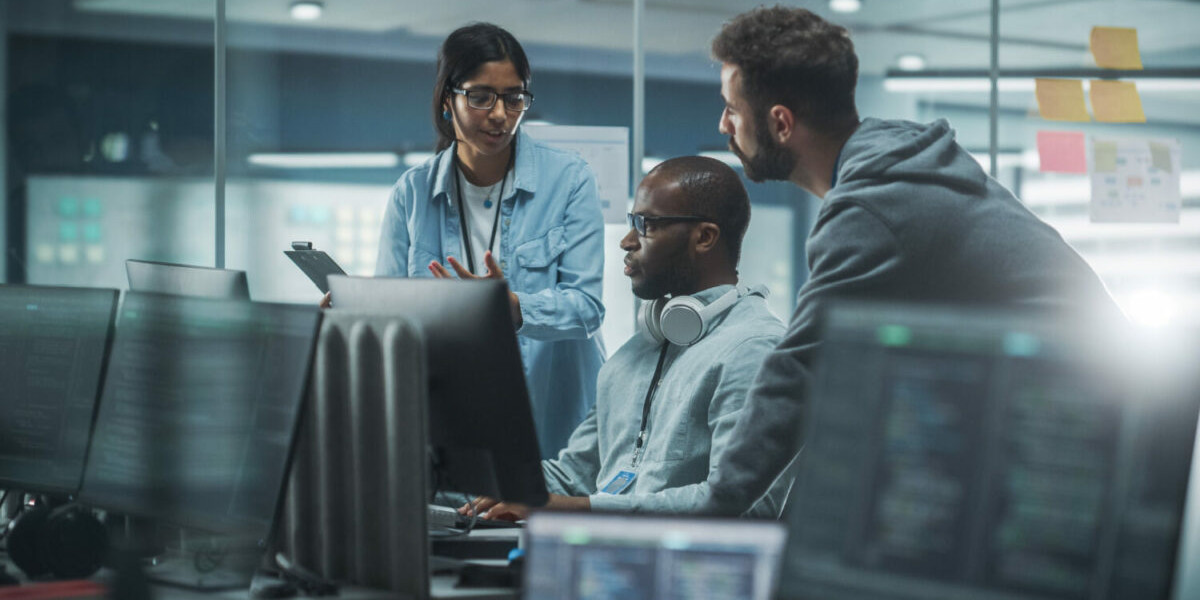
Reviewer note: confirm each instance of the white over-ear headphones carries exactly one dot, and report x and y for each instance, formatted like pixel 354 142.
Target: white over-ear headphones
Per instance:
pixel 683 320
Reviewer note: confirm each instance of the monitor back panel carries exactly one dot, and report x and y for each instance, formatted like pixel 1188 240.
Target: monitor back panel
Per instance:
pixel 52 353
pixel 952 454
pixel 187 280
pixel 480 420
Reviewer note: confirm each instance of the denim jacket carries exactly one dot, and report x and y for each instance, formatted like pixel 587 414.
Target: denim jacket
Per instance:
pixel 551 248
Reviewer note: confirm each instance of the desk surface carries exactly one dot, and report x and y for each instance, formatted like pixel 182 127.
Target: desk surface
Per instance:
pixel 441 585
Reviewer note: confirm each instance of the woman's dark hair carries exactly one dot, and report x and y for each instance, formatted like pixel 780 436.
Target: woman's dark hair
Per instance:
pixel 463 52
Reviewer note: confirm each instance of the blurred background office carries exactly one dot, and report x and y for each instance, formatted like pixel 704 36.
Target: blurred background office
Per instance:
pixel 215 132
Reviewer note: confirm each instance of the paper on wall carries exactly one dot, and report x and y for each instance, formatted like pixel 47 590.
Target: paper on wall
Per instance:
pixel 605 150
pixel 1135 180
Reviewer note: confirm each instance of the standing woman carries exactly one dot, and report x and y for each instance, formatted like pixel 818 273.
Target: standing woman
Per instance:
pixel 494 203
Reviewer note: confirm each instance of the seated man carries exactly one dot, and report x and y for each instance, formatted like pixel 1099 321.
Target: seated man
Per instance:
pixel 648 447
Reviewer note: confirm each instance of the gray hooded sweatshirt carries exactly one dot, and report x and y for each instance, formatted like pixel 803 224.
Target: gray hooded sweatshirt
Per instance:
pixel 911 218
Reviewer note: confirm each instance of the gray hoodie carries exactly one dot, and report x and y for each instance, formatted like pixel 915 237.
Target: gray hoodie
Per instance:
pixel 912 218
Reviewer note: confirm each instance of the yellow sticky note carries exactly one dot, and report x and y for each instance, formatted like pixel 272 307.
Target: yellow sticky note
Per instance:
pixel 1116 102
pixel 1061 100
pixel 1104 156
pixel 1160 156
pixel 1116 48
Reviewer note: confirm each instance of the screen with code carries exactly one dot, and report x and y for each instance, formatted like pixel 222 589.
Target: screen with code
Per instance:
pixel 964 455
pixel 52 352
pixel 199 410
pixel 652 558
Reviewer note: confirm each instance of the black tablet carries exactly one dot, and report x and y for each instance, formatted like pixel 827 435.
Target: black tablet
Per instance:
pixel 315 263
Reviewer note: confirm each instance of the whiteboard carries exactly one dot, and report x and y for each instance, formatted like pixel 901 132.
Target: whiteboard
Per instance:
pixel 606 151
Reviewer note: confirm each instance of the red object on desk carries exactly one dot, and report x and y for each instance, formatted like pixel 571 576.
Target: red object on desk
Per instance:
pixel 81 589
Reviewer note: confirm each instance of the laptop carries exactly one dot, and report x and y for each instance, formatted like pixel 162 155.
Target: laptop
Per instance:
pixel 632 557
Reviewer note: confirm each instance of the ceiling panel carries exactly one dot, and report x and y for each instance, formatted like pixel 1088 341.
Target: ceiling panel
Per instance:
pixel 949 33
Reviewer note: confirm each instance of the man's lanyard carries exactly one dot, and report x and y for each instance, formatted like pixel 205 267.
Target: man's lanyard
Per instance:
pixel 462 214
pixel 641 438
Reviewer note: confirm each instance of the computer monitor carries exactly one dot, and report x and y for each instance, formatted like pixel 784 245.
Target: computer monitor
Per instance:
pixel 186 280
pixel 199 411
pixel 480 422
pixel 596 555
pixel 1187 564
pixel 54 344
pixel 961 454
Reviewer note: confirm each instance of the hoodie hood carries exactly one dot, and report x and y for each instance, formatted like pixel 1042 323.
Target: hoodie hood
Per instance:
pixel 887 151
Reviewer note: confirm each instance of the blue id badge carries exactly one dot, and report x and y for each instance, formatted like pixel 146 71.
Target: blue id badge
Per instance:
pixel 619 483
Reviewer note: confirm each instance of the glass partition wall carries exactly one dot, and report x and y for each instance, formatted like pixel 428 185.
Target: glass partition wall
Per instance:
pixel 109 139
pixel 112 149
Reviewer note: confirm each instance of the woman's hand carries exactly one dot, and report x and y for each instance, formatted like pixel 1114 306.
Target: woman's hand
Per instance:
pixel 493 272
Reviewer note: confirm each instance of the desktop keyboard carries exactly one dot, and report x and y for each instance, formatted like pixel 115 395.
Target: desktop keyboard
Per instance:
pixel 444 517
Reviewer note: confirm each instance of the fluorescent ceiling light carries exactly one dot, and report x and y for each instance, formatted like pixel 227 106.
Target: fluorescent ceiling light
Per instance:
pixel 413 159
pixel 649 162
pixel 307 10
pixel 724 156
pixel 1027 159
pixel 1023 84
pixel 845 6
pixel 326 160
pixel 955 84
pixel 910 62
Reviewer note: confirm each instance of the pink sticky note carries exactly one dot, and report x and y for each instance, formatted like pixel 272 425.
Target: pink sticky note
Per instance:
pixel 1062 151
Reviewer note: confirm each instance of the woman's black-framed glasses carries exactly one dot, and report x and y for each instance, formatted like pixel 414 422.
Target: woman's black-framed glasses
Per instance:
pixel 638 222
pixel 485 99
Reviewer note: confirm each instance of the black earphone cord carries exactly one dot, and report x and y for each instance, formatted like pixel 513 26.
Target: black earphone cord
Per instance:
pixel 462 213
pixel 658 371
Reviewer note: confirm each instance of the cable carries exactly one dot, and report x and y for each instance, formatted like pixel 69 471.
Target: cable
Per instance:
pixel 20 509
pixel 209 556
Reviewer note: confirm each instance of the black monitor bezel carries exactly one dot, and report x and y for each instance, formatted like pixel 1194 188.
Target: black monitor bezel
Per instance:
pixel 34 487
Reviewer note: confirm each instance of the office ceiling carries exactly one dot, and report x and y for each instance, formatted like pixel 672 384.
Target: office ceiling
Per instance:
pixel 948 33
pixel 596 36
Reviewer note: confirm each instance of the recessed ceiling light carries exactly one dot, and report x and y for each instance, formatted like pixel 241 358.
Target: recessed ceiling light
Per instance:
pixel 307 10
pixel 910 62
pixel 845 6
pixel 327 160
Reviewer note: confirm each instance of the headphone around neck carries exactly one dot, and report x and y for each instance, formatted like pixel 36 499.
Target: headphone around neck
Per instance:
pixel 684 320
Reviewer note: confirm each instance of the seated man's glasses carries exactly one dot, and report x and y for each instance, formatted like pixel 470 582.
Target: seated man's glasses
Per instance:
pixel 638 222
pixel 485 99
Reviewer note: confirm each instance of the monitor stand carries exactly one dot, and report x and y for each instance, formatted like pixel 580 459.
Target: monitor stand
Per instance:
pixel 204 561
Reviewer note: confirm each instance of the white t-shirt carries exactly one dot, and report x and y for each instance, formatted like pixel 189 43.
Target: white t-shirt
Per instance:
pixel 481 217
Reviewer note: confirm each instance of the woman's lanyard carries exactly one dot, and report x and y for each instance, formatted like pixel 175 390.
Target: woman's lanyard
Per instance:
pixel 462 213
pixel 641 438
